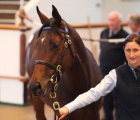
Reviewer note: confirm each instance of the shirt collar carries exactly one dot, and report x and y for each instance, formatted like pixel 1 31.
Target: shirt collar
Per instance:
pixel 131 67
pixel 115 32
pixel 133 71
pixel 138 32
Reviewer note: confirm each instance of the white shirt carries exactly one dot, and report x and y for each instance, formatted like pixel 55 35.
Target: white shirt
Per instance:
pixel 107 84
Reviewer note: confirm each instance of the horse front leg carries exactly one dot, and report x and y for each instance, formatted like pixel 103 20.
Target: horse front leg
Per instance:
pixel 39 108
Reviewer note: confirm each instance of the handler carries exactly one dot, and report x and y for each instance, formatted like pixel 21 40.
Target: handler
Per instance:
pixel 126 80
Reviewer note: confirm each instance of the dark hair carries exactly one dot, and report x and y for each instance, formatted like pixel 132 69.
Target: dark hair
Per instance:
pixel 132 38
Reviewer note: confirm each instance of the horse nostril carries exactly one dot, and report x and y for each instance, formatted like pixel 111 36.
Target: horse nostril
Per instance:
pixel 38 86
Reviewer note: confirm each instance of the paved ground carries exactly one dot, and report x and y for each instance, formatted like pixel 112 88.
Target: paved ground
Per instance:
pixel 23 113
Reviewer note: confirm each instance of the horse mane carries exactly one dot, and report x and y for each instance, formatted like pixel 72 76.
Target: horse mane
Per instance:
pixel 51 22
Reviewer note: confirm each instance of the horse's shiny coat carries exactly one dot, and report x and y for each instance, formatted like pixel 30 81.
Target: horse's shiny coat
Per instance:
pixel 79 74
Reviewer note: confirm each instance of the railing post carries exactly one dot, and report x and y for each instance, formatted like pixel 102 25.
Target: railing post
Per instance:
pixel 22 53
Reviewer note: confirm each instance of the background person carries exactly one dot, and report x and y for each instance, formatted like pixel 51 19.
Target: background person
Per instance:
pixel 134 23
pixel 111 56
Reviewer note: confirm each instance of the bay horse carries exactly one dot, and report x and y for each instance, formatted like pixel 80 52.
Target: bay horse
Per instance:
pixel 59 64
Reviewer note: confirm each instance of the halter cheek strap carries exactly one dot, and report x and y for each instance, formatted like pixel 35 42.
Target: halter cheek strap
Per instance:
pixel 69 42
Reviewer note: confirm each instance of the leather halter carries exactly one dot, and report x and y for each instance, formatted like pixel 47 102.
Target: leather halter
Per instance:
pixel 53 82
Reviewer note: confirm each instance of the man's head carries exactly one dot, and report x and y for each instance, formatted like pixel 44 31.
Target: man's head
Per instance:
pixel 134 22
pixel 114 20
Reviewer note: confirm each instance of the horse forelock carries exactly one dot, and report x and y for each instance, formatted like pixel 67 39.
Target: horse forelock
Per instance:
pixel 51 22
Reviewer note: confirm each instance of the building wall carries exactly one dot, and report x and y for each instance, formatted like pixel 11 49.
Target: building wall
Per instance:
pixel 125 7
pixel 11 90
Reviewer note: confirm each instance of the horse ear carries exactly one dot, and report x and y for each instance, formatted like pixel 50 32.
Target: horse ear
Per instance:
pixel 42 17
pixel 56 15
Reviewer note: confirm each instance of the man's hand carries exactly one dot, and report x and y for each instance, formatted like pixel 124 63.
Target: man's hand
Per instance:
pixel 63 112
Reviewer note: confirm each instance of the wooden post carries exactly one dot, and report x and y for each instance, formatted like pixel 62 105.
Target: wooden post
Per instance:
pixel 22 54
pixel 93 47
pixel 21 15
pixel 89 27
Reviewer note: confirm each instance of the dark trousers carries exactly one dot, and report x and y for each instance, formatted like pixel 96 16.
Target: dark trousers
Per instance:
pixel 109 105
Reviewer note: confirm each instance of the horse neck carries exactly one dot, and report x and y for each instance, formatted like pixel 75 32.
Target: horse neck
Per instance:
pixel 79 46
pixel 77 76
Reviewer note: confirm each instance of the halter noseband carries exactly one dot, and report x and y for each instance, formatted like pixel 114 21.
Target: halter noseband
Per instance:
pixel 54 79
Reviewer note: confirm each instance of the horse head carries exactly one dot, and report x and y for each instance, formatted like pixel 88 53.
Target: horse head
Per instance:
pixel 55 53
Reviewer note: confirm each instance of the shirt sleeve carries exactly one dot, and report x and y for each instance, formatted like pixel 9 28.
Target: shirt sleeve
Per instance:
pixel 104 87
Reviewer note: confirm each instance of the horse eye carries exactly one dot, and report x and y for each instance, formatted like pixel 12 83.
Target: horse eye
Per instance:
pixel 56 45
